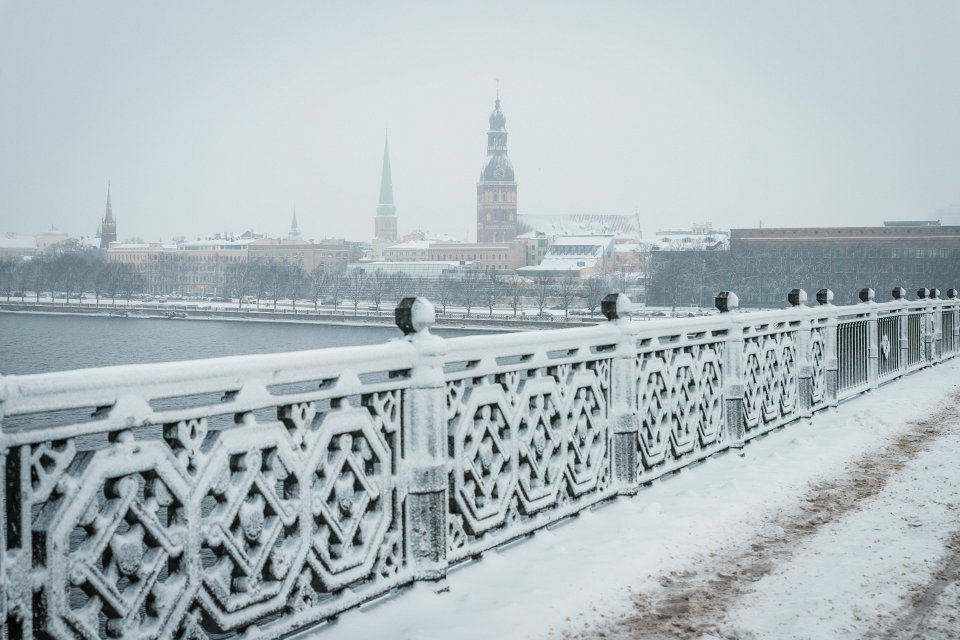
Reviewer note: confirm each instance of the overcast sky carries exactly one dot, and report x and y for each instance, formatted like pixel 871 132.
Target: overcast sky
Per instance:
pixel 212 116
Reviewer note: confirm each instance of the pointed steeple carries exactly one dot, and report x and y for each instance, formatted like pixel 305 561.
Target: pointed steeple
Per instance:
pixel 109 216
pixel 108 230
pixel 386 207
pixel 294 227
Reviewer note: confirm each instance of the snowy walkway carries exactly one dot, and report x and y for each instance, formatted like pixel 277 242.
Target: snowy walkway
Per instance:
pixel 846 528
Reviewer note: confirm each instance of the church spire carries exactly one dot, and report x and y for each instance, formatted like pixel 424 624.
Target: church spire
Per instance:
pixel 108 227
pixel 109 216
pixel 294 227
pixel 385 206
pixel 385 224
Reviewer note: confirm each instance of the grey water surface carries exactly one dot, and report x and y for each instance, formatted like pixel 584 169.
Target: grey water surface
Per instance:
pixel 39 343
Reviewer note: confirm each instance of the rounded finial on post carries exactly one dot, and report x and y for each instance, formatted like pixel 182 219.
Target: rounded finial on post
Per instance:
pixel 952 294
pixel 824 296
pixel 899 293
pixel 726 301
pixel 615 306
pixel 867 294
pixel 934 293
pixel 414 315
pixel 923 293
pixel 797 297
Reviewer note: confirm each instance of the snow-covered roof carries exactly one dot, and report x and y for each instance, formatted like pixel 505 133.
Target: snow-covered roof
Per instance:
pixel 581 223
pixel 9 240
pixel 212 245
pixel 564 264
pixel 412 245
pixel 577 241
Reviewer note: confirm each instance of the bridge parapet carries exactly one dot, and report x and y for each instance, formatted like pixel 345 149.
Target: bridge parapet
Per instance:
pixel 260 495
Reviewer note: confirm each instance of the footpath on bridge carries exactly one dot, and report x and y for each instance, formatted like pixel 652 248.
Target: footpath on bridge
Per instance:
pixel 844 528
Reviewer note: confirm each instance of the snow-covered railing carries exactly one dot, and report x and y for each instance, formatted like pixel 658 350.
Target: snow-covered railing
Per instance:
pixel 255 496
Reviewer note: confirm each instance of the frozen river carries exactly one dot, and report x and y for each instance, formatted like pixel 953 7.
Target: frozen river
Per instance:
pixel 37 343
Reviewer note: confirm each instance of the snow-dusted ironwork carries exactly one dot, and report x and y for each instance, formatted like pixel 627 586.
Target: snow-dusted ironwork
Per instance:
pixel 260 495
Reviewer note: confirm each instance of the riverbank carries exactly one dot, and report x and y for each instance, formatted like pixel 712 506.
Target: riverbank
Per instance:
pixel 176 312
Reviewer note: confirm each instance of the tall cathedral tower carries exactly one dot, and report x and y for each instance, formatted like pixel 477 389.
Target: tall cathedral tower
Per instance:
pixel 497 187
pixel 108 227
pixel 385 225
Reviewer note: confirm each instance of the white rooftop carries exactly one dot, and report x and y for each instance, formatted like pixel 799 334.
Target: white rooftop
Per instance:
pixel 9 240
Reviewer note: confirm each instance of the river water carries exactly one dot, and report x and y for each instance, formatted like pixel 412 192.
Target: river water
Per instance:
pixel 38 343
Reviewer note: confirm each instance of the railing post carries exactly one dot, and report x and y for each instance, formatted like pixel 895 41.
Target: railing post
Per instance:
pixel 926 332
pixel 825 298
pixel 798 300
pixel 424 443
pixel 936 324
pixel 952 296
pixel 867 296
pixel 727 302
pixel 625 417
pixel 903 328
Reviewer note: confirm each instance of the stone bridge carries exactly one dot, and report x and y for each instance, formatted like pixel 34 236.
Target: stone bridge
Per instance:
pixel 257 496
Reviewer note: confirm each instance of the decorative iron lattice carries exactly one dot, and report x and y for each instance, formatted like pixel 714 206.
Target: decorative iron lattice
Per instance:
pixel 527 446
pixel 915 333
pixel 818 361
pixel 852 354
pixel 680 403
pixel 770 391
pixel 948 324
pixel 256 496
pixel 888 346
pixel 206 533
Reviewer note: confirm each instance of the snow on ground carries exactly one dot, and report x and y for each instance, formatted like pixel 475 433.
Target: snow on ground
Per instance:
pixel 838 565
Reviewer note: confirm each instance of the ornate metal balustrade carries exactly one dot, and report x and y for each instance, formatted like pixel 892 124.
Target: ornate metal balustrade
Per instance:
pixel 261 495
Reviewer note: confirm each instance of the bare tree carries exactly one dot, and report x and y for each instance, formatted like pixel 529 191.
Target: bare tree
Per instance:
pixel 490 289
pixel 567 289
pixel 240 279
pixel 296 280
pixel 379 282
pixel 468 288
pixel 595 289
pixel 541 290
pixel 515 287
pixel 338 280
pixel 356 287
pixel 445 290
pixel 318 278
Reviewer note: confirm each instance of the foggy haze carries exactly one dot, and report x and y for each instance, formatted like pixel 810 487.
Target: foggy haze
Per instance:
pixel 224 116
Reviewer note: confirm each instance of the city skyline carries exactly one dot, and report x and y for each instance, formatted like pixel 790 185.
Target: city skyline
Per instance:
pixel 747 113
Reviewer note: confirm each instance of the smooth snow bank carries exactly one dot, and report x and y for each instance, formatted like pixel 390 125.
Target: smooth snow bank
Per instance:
pixel 581 573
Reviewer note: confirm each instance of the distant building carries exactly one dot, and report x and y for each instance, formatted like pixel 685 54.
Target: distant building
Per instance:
pixel 108 226
pixel 49 238
pixel 385 224
pixel 911 223
pixel 762 265
pixel 948 215
pixel 497 187
pixel 574 257
pixel 581 224
pixel 488 256
pixel 14 245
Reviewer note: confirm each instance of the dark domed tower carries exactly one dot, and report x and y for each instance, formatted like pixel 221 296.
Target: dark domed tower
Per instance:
pixel 385 224
pixel 108 228
pixel 497 188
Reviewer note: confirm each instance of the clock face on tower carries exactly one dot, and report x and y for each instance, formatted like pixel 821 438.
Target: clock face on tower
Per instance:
pixel 498 173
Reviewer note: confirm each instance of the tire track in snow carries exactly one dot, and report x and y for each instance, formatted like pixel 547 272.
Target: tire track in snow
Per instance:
pixel 930 615
pixel 693 604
